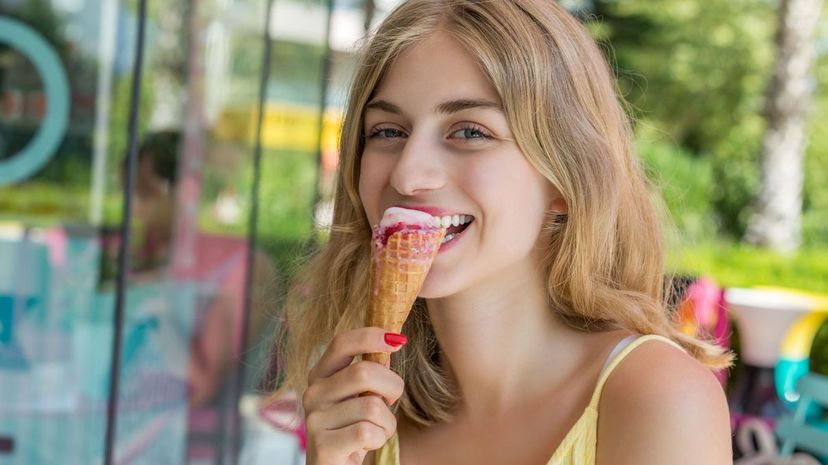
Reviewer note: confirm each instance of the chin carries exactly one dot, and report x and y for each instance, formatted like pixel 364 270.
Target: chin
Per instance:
pixel 429 295
pixel 436 288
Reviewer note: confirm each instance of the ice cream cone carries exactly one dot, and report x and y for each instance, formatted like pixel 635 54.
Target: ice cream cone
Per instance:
pixel 398 270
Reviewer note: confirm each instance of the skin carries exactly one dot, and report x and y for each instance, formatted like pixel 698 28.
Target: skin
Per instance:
pixel 487 303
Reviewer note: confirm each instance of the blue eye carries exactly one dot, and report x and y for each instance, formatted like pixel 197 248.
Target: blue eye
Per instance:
pixel 385 133
pixel 470 132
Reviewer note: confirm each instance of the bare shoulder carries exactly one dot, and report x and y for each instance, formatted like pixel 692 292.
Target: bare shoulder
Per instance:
pixel 662 406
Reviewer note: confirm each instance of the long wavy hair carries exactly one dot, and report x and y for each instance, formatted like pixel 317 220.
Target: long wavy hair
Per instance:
pixel 603 265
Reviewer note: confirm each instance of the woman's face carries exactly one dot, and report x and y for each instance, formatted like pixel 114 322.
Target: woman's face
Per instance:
pixel 437 140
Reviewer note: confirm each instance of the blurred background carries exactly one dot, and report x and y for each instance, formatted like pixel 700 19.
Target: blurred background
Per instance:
pixel 236 107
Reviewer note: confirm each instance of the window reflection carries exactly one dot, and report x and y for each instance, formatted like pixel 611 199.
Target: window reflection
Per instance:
pixel 189 245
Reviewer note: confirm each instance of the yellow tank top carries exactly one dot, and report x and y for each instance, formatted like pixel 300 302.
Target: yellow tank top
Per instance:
pixel 579 445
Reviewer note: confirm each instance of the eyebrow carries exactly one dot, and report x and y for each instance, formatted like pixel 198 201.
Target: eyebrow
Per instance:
pixel 452 106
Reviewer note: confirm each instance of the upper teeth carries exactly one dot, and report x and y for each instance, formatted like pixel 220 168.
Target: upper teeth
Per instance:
pixel 453 220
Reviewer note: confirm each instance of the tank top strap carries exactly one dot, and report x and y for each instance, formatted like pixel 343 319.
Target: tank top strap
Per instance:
pixel 617 355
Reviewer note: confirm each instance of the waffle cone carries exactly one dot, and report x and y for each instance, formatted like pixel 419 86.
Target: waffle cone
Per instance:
pixel 398 271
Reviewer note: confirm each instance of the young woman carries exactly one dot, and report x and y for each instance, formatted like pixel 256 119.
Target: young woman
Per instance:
pixel 540 335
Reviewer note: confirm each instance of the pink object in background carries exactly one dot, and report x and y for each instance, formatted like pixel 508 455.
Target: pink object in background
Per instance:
pixel 705 296
pixel 703 314
pixel 283 414
pixel 57 241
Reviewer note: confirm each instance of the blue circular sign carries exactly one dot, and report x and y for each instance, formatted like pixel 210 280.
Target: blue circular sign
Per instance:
pixel 45 142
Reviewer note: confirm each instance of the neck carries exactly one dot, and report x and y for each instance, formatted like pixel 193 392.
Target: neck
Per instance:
pixel 496 337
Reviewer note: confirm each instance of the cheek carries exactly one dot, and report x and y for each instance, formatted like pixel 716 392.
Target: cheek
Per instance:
pixel 517 201
pixel 372 177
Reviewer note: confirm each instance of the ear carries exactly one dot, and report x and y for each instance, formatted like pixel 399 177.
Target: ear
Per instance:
pixel 557 203
pixel 559 206
pixel 557 210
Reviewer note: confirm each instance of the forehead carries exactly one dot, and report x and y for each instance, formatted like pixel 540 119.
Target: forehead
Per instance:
pixel 437 68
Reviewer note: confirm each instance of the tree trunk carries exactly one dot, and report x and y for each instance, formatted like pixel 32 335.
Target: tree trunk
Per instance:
pixel 777 217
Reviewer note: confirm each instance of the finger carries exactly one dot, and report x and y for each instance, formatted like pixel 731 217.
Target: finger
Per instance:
pixel 345 346
pixel 352 381
pixel 334 445
pixel 352 411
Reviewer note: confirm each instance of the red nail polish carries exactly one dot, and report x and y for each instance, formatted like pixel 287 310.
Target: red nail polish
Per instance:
pixel 395 340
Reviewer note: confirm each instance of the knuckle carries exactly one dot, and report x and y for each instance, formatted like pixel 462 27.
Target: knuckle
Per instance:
pixel 364 432
pixel 365 339
pixel 399 385
pixel 372 407
pixel 361 372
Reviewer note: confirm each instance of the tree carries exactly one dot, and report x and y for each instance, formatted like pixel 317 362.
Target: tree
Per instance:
pixel 695 72
pixel 777 218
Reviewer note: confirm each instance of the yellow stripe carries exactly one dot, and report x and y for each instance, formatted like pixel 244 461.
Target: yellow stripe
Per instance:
pixel 800 336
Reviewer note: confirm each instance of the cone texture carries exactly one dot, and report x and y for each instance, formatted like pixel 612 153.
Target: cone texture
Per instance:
pixel 397 274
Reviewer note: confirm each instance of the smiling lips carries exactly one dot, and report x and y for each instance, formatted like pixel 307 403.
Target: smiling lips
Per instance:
pixel 397 219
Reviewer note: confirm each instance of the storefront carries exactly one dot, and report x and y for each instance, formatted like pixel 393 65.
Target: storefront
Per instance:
pixel 230 109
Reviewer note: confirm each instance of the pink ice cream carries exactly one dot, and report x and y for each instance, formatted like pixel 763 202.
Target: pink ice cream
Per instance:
pixel 397 219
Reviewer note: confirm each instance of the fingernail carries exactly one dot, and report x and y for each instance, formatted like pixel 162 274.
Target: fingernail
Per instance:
pixel 395 340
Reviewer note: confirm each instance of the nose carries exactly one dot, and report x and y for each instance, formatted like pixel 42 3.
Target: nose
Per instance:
pixel 419 168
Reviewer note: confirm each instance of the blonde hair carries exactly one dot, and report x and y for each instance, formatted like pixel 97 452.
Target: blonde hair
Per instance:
pixel 604 263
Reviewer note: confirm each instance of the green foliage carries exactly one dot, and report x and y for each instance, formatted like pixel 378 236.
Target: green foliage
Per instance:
pixel 295 72
pixel 698 68
pixel 736 173
pixel 815 208
pixel 819 350
pixel 285 198
pixel 697 72
pixel 287 194
pixel 39 203
pixel 736 265
pixel 685 182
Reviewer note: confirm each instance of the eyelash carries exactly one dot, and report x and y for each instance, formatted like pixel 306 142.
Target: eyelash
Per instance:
pixel 473 127
pixel 466 127
pixel 377 131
